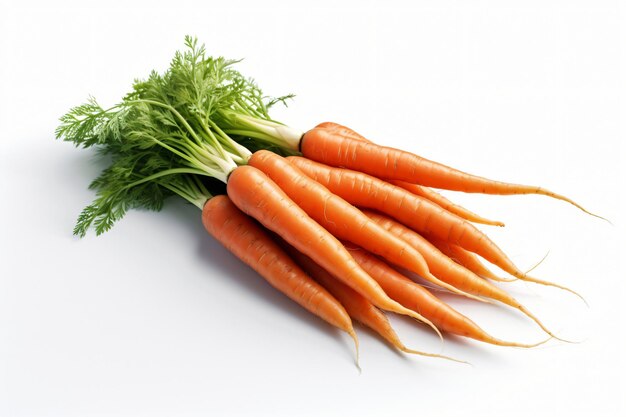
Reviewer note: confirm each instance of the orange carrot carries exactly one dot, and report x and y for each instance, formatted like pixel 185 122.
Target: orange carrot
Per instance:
pixel 340 218
pixel 417 298
pixel 258 196
pixel 335 149
pixel 415 212
pixel 448 270
pixel 467 259
pixel 357 306
pixel 250 243
pixel 443 202
pixel 417 189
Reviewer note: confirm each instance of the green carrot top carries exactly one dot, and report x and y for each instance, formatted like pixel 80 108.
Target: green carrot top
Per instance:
pixel 168 131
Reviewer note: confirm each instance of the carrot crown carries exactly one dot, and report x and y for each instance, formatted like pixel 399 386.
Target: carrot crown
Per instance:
pixel 171 130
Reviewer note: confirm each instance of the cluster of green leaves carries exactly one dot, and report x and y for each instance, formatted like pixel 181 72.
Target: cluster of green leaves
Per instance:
pixel 164 135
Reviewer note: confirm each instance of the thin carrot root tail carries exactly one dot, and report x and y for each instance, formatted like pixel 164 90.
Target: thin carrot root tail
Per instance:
pixel 431 355
pixel 528 278
pixel 549 193
pixel 354 337
pixel 499 342
pixel 400 309
pixel 538 263
pixel 543 327
pixel 475 218
pixel 455 290
pixel 499 279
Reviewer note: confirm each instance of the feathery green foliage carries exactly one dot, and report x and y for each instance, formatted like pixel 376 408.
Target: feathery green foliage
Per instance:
pixel 171 129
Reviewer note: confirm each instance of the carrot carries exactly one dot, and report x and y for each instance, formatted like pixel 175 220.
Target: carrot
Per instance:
pixel 250 243
pixel 417 189
pixel 340 218
pixel 415 212
pixel 444 203
pixel 335 149
pixel 417 298
pixel 357 306
pixel 449 271
pixel 258 196
pixel 467 259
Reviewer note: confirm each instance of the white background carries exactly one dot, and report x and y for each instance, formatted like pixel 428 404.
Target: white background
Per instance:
pixel 154 318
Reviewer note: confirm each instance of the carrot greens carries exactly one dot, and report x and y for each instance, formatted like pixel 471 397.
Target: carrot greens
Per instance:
pixel 169 126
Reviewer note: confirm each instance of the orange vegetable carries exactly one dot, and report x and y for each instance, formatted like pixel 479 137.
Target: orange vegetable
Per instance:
pixel 467 259
pixel 413 211
pixel 357 306
pixel 334 148
pixel 250 243
pixel 340 218
pixel 448 270
pixel 417 189
pixel 444 203
pixel 416 297
pixel 258 196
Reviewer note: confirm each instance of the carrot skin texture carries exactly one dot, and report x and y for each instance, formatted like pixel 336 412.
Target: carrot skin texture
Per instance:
pixel 357 306
pixel 417 189
pixel 340 218
pixel 251 244
pixel 444 203
pixel 467 259
pixel 258 196
pixel 384 162
pixel 441 265
pixel 416 297
pixel 417 213
pixel 453 272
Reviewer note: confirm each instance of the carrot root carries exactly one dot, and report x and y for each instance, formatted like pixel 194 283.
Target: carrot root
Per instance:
pixel 354 337
pixel 499 342
pixel 431 355
pixel 527 278
pixel 540 324
pixel 417 316
pixel 543 191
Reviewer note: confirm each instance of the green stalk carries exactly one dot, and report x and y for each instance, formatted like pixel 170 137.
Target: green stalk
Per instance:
pixel 269 131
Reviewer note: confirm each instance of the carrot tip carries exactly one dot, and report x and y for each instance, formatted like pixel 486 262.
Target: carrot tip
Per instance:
pixel 570 201
pixel 354 337
pixel 455 290
pixel 522 345
pixel 400 309
pixel 528 278
pixel 488 222
pixel 543 327
pixel 431 355
pixel 499 279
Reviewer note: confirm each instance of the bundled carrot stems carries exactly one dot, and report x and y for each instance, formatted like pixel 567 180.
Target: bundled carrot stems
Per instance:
pixel 326 216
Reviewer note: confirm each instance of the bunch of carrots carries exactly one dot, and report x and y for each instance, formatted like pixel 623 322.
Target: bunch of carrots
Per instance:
pixel 327 217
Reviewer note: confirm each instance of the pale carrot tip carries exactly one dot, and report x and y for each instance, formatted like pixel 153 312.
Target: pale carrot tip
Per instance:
pixel 522 345
pixel 455 290
pixel 500 279
pixel 354 337
pixel 572 202
pixel 543 327
pixel 593 214
pixel 431 355
pixel 527 278
pixel 415 315
pixel 490 222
